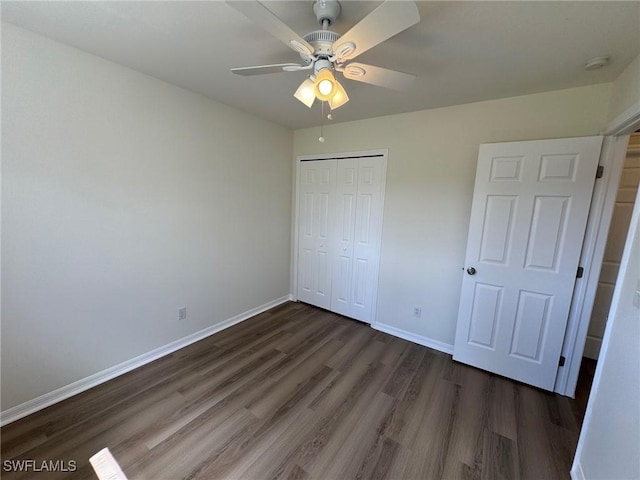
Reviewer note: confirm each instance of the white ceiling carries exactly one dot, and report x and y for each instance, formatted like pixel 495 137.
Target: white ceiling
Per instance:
pixel 461 51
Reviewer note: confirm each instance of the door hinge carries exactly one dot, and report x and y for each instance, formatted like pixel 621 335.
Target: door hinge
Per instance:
pixel 600 171
pixel 561 362
pixel 580 272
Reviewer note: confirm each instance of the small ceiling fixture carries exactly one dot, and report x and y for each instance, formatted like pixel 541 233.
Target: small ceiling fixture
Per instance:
pixel 596 63
pixel 325 52
pixel 323 86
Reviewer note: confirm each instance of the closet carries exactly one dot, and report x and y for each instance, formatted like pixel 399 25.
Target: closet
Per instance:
pixel 339 229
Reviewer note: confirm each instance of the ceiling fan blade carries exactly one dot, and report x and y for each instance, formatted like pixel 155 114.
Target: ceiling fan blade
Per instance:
pixel 382 77
pixel 384 22
pixel 262 69
pixel 264 17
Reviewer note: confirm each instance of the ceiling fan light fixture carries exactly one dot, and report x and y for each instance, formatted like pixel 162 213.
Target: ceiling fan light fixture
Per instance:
pixel 325 51
pixel 339 98
pixel 325 85
pixel 306 92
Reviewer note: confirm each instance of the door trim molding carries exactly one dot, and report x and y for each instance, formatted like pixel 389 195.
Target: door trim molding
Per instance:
pixel 602 205
pixel 593 246
pixel 625 123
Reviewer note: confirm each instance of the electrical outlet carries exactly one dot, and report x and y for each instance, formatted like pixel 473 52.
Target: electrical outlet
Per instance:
pixel 182 313
pixel 417 312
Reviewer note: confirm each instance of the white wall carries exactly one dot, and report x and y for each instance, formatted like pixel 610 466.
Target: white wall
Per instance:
pixel 123 199
pixel 625 90
pixel 609 445
pixel 431 171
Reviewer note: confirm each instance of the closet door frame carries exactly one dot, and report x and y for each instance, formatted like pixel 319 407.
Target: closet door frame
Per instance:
pixel 383 153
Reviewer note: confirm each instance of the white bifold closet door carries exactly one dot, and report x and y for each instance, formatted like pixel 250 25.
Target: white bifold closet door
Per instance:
pixel 339 233
pixel 315 231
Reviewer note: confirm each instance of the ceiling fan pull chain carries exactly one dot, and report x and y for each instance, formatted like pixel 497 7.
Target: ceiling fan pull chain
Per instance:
pixel 321 137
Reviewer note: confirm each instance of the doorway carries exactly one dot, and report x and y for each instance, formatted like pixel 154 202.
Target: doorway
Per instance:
pixel 626 195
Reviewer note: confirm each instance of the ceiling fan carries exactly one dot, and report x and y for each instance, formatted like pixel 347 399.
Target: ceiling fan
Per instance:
pixel 324 52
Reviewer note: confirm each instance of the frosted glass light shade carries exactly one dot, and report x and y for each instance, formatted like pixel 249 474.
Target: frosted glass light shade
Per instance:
pixel 339 98
pixel 325 85
pixel 306 93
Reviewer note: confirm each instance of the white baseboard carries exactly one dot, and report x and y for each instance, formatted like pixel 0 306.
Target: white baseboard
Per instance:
pixel 412 337
pixel 592 347
pixel 31 406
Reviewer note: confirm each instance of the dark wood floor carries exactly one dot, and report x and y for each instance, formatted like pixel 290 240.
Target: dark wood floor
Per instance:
pixel 301 393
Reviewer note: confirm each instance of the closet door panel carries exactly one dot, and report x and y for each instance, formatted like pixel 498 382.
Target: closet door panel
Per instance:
pixel 315 231
pixel 367 240
pixel 345 220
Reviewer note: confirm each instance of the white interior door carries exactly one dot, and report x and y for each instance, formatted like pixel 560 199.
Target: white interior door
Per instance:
pixel 529 212
pixel 359 207
pixel 315 231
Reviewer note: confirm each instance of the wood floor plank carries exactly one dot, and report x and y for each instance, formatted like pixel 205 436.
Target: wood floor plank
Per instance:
pixel 502 410
pixel 405 370
pixel 498 462
pixel 396 347
pixel 379 459
pixel 534 444
pixel 211 403
pixel 336 423
pixel 303 374
pixel 434 432
pixel 297 473
pixel 284 451
pixel 344 459
pixel 269 429
pixel 398 464
pixel 408 413
pixel 471 423
pixel 301 393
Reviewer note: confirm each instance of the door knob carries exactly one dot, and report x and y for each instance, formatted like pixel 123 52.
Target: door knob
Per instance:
pixel 471 271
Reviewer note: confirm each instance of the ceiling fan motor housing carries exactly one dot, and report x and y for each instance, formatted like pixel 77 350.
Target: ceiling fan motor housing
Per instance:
pixel 322 42
pixel 326 10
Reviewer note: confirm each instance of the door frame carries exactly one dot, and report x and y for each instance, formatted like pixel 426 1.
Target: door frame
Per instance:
pixel 602 205
pixel 384 152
